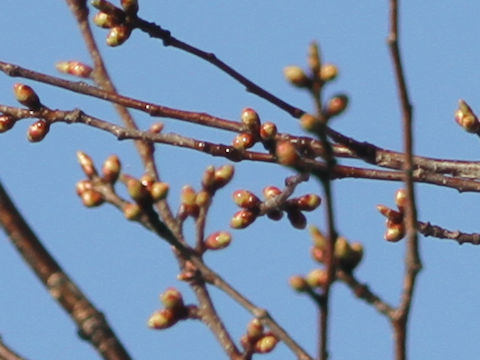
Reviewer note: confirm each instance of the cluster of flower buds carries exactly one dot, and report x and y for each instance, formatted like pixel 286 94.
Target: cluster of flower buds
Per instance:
pixel 90 197
pixel 255 131
pixel 173 310
pixel 395 218
pixel 257 340
pixel 466 118
pixel 216 178
pixel 75 68
pixel 115 19
pixel 315 279
pixel 346 255
pixel 143 191
pixel 251 207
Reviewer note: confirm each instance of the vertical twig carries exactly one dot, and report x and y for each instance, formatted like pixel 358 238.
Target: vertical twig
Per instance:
pixel 412 258
pixel 91 323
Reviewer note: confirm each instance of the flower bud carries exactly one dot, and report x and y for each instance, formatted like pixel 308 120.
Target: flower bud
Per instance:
pixel 187 195
pixel 317 278
pixel 159 190
pixel 298 283
pixel 466 118
pixel 342 249
pixel 268 130
pixel 336 105
pixel 328 72
pixel 171 298
pixel 250 119
pixel 162 319
pixel 130 6
pixel 104 20
pixel 218 240
pixel 156 128
pixel 297 219
pixel 111 169
pixel 203 198
pixel 37 131
pixel 243 218
pixel 245 199
pixel 6 122
pixel 319 240
pixel 243 141
pixel 395 231
pixel 118 35
pixel 401 199
pixel 208 178
pixel 254 329
pixel 286 153
pixel 313 57
pixel 265 344
pixel 87 164
pixel 296 76
pixel 390 214
pixel 270 192
pixel 135 188
pixel 223 175
pixel 132 211
pixel 82 186
pixel 308 202
pixel 91 198
pixel 75 68
pixel 309 122
pixel 318 254
pixel 147 180
pixel 25 95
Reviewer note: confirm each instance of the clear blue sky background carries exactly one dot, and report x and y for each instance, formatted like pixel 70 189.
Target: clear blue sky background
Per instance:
pixel 123 268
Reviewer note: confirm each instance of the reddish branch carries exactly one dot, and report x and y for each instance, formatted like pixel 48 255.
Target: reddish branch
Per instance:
pixel 91 323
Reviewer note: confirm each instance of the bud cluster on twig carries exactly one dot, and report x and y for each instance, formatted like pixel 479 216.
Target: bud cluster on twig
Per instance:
pixel 173 310
pixel 257 340
pixel 395 218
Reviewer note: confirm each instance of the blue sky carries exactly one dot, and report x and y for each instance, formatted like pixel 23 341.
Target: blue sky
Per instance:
pixel 123 268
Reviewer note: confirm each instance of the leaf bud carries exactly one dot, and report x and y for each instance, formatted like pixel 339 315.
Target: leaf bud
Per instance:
pixel 87 164
pixel 218 240
pixel 25 95
pixel 75 68
pixel 245 199
pixel 296 76
pixel 336 105
pixel 111 169
pixel 118 35
pixel 286 153
pixel 243 218
pixel 6 122
pixel 268 130
pixel 265 344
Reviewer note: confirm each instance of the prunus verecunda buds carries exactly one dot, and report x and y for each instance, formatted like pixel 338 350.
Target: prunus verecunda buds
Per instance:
pixel 86 164
pixel 75 68
pixel 250 119
pixel 336 105
pixel 286 153
pixel 172 298
pixel 118 35
pixel 245 199
pixel 296 76
pixel 218 240
pixel 328 72
pixel 111 169
pixel 25 95
pixel 241 219
pixel 265 344
pixel 268 130
pixel 466 118
pixel 37 131
pixel 162 319
pixel 6 122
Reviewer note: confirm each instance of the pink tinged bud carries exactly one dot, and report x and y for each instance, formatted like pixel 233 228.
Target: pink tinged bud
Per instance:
pixel 111 169
pixel 270 192
pixel 118 35
pixel 250 119
pixel 37 131
pixel 328 72
pixel 156 128
pixel 245 199
pixel 336 105
pixel 401 199
pixel 286 153
pixel 6 122
pixel 130 6
pixel 83 185
pixel 265 344
pixel 172 298
pixel 243 218
pixel 317 278
pixel 223 175
pixel 132 211
pixel 75 68
pixel 296 76
pixel 162 319
pixel 268 130
pixel 136 189
pixel 159 190
pixel 318 254
pixel 298 283
pixel 92 198
pixel 297 219
pixel 243 141
pixel 218 240
pixel 87 164
pixel 308 202
pixel 395 231
pixel 25 95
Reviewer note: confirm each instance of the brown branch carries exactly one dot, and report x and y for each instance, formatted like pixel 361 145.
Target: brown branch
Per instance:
pixel 412 258
pixel 427 229
pixel 7 353
pixel 91 323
